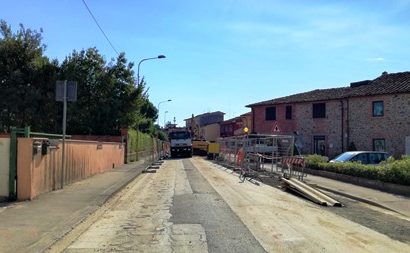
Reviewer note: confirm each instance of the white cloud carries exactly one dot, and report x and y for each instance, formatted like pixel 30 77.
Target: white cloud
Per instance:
pixel 376 59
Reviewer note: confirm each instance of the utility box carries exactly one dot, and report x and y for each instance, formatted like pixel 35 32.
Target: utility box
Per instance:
pixel 213 150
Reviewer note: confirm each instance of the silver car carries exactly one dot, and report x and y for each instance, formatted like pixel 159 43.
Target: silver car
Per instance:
pixel 364 157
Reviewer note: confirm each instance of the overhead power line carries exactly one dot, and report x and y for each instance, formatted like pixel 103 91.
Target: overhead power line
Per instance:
pixel 95 20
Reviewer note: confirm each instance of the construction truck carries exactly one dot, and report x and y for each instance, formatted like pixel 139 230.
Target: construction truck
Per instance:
pixel 180 142
pixel 200 147
pixel 199 144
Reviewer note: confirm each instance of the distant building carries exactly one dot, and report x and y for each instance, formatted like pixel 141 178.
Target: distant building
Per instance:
pixel 170 125
pixel 368 115
pixel 206 125
pixel 206 119
pixel 211 132
pixel 236 126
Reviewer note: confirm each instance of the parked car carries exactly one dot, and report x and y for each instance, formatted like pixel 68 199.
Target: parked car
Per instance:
pixel 364 157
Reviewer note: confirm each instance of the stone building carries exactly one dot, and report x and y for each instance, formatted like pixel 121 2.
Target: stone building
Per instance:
pixel 367 115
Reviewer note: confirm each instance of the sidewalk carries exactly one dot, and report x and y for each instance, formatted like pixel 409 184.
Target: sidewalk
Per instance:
pixel 32 226
pixel 390 201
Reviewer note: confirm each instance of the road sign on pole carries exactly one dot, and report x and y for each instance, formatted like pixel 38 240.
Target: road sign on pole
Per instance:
pixel 65 91
pixel 71 91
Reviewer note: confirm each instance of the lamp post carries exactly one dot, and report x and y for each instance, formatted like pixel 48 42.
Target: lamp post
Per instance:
pixel 165 116
pixel 169 100
pixel 146 59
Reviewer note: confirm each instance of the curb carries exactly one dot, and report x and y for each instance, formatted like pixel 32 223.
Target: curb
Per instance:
pixel 370 202
pixel 139 167
pixel 397 189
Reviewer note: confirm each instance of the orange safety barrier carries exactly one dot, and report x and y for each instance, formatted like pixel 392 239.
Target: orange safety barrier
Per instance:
pixel 240 156
pixel 294 161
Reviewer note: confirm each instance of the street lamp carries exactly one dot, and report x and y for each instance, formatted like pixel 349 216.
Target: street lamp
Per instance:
pixel 169 100
pixel 146 59
pixel 165 116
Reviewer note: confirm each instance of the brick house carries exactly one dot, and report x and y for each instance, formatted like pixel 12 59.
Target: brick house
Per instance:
pixel 369 115
pixel 235 126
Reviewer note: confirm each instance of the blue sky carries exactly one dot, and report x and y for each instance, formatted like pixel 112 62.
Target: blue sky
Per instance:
pixel 225 54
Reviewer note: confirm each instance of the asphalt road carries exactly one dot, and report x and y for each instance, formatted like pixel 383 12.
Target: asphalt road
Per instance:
pixel 191 205
pixel 173 210
pixel 224 231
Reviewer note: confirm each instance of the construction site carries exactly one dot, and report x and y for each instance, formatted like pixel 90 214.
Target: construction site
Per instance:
pixel 273 160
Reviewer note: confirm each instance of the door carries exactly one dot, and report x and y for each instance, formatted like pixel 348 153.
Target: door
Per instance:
pixel 319 145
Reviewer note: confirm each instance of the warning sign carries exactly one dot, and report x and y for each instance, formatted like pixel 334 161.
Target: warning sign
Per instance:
pixel 276 128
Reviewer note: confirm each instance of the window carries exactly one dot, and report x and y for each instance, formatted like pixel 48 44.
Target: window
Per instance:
pixel 379 145
pixel 378 109
pixel 362 158
pixel 376 158
pixel 319 110
pixel 289 112
pixel 270 113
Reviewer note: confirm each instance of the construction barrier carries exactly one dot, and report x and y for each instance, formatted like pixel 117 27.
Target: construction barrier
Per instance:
pixel 267 153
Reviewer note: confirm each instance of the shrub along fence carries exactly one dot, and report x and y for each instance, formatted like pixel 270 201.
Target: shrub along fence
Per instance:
pixel 139 145
pixel 390 171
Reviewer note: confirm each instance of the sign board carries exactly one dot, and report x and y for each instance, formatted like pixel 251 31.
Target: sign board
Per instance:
pixel 71 91
pixel 276 128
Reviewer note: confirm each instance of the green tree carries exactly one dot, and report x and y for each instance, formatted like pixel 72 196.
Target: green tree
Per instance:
pixel 107 97
pixel 147 112
pixel 25 78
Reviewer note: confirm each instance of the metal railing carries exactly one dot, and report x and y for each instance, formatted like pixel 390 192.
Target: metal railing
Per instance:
pixel 263 153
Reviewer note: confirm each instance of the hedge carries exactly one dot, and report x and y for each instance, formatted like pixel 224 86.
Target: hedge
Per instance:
pixel 391 171
pixel 138 142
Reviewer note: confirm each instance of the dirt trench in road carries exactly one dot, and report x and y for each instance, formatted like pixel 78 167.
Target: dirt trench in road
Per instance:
pixel 282 222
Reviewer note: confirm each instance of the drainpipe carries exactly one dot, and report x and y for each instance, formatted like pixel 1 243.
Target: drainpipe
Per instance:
pixel 342 130
pixel 253 120
pixel 347 122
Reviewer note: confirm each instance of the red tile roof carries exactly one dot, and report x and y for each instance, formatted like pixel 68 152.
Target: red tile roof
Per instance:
pixel 385 84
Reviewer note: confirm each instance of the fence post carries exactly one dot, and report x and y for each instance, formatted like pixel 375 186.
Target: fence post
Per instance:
pixel 27 131
pixel 137 150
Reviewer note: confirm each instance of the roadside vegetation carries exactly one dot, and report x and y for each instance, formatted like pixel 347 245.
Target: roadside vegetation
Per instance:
pixel 108 97
pixel 390 171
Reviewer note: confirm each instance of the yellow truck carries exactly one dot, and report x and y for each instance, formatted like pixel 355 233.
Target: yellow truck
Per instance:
pixel 200 147
pixel 213 150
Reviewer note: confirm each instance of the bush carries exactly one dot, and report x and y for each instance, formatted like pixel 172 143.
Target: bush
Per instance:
pixel 313 161
pixel 397 171
pixel 392 171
